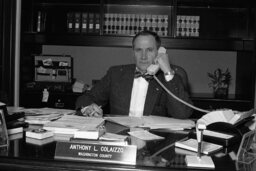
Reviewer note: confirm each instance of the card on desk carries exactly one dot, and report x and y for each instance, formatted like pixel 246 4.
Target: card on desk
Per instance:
pixel 203 162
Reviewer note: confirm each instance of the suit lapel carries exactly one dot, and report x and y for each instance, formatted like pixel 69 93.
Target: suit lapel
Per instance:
pixel 152 94
pixel 127 83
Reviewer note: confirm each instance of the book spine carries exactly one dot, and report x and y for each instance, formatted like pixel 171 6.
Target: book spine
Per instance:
pixel 91 23
pixel 70 23
pixel 77 22
pixel 97 23
pixel 84 22
pixel 38 26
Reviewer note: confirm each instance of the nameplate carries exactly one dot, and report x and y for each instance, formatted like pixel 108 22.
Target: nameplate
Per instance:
pixel 96 152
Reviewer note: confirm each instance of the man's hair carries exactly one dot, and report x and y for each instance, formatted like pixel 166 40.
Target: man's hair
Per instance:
pixel 147 33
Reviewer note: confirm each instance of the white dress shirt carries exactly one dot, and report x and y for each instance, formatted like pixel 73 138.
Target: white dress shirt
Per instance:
pixel 138 97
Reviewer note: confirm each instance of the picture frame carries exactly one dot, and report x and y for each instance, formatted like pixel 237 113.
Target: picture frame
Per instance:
pixel 4 139
pixel 245 153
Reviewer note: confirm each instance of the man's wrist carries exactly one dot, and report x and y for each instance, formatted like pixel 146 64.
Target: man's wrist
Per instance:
pixel 169 75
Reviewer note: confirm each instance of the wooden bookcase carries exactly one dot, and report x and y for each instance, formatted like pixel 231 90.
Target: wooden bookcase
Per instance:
pixel 224 25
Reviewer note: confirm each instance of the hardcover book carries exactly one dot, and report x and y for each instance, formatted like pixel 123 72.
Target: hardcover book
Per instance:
pixel 90 132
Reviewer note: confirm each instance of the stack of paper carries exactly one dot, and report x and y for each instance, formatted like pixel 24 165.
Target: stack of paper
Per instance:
pixel 69 124
pixel 145 135
pixel 12 109
pixel 153 122
pixel 44 115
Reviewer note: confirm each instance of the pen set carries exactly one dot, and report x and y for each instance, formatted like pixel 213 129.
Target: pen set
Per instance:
pixel 199 134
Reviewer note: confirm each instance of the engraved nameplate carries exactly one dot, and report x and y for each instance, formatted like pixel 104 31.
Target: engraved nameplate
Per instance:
pixel 96 152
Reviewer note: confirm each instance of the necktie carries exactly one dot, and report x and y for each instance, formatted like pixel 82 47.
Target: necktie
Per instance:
pixel 145 76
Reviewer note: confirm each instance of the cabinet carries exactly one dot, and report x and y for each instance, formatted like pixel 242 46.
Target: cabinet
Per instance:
pixel 221 25
pixel 7 45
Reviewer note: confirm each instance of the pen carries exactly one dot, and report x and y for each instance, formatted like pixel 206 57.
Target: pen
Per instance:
pixel 199 148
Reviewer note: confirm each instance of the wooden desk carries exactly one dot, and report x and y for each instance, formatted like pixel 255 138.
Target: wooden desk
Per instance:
pixel 24 156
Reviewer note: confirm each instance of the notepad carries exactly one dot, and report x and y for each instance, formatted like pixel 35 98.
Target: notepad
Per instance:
pixel 204 162
pixel 192 144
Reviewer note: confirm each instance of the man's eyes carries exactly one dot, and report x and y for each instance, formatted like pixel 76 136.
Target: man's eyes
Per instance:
pixel 147 50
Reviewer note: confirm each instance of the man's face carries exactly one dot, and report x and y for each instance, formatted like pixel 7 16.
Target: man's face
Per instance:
pixel 145 51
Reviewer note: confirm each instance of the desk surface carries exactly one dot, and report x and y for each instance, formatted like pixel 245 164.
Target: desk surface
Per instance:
pixel 26 156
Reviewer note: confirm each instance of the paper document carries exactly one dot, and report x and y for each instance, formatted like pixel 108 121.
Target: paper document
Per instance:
pixel 153 122
pixel 145 135
pixel 69 124
pixel 47 111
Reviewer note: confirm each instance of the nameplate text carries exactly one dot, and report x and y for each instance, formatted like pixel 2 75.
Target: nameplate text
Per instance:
pixel 96 152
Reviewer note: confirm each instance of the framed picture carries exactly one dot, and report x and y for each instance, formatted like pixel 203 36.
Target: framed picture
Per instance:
pixel 4 142
pixel 245 154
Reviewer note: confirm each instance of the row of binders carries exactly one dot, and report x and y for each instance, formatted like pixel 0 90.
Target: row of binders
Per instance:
pixel 83 22
pixel 187 26
pixel 130 24
pixel 124 24
pixel 116 23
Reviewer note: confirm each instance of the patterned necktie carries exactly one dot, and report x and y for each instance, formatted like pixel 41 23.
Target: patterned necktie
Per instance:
pixel 145 76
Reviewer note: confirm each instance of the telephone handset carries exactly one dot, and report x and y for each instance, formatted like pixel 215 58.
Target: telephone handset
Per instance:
pixel 153 68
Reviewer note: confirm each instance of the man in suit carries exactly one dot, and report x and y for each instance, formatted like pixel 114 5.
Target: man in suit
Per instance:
pixel 128 92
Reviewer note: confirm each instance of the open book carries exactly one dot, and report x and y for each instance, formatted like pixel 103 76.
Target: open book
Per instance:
pixel 228 116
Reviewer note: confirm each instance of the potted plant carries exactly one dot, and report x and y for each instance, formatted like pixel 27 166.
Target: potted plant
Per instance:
pixel 220 82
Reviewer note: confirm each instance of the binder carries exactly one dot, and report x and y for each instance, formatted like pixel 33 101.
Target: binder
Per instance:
pixel 97 23
pixel 91 23
pixel 84 22
pixel 77 22
pixel 70 21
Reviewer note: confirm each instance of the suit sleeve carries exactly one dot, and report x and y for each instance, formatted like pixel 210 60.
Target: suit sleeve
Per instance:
pixel 99 94
pixel 174 107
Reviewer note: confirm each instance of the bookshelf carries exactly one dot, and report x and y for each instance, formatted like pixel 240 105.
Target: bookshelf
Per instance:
pixel 219 25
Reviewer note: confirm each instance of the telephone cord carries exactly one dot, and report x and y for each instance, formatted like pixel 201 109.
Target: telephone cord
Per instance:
pixel 177 98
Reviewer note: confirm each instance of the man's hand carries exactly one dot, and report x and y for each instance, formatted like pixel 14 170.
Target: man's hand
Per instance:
pixel 92 110
pixel 163 61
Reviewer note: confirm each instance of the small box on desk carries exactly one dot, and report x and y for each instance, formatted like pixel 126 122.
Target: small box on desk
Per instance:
pixel 53 68
pixel 39 133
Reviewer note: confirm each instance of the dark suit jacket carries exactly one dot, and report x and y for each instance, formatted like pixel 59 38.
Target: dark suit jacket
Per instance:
pixel 116 86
